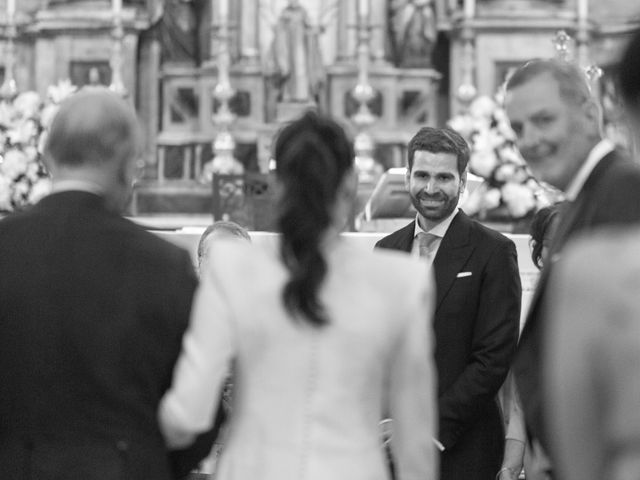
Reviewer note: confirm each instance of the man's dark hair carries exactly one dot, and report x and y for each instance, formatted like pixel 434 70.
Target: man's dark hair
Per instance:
pixel 439 140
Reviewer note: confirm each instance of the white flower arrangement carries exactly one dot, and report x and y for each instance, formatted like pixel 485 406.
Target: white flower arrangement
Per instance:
pixel 24 122
pixel 508 187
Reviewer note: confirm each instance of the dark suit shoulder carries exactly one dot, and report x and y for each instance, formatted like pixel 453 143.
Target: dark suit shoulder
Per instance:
pixel 143 241
pixel 623 170
pixel 615 168
pixel 481 234
pixel 489 234
pixel 614 191
pixel 397 239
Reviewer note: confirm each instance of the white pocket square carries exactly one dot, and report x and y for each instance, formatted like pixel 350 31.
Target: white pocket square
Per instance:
pixel 463 274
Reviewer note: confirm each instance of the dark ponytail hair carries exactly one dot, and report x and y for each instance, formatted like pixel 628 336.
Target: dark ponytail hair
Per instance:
pixel 313 155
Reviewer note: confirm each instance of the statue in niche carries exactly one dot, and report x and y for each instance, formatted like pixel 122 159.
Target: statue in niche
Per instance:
pixel 413 32
pixel 294 64
pixel 176 24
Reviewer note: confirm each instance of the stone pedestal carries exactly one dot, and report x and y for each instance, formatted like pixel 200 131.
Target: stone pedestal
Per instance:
pixel 405 97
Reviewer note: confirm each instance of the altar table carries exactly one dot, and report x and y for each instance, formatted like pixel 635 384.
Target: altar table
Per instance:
pixel 188 237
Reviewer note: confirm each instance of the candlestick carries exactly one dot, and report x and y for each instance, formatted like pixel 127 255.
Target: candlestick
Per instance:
pixel 11 8
pixel 223 161
pixel 363 93
pixel 117 55
pixel 467 90
pixel 469 8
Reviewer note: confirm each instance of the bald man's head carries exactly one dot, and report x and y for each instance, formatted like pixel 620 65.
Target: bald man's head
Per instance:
pixel 93 127
pixel 95 138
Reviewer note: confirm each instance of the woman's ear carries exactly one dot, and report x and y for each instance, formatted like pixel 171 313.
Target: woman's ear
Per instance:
pixel 346 195
pixel 348 187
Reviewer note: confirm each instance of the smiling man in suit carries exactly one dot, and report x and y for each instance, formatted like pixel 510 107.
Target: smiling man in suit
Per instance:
pixel 587 315
pixel 477 307
pixel 557 122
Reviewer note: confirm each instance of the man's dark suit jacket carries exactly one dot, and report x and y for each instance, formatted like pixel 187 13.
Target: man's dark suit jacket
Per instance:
pixel 92 313
pixel 476 322
pixel 610 196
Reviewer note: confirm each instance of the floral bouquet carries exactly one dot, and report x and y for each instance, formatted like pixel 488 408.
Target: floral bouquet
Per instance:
pixel 509 191
pixel 23 127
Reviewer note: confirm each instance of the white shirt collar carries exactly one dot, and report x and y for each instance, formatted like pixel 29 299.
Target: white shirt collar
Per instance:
pixel 440 229
pixel 597 153
pixel 77 185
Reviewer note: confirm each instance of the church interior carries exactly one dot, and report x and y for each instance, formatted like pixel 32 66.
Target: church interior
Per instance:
pixel 213 81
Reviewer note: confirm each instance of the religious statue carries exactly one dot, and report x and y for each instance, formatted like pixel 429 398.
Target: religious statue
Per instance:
pixel 413 32
pixel 294 62
pixel 178 25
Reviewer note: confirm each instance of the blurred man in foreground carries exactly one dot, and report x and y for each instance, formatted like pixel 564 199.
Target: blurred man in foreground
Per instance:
pixel 558 126
pixel 593 341
pixel 92 311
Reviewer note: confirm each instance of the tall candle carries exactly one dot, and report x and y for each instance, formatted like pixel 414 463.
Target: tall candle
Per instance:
pixel 223 10
pixel 469 8
pixel 11 8
pixel 583 9
pixel 363 8
pixel 116 6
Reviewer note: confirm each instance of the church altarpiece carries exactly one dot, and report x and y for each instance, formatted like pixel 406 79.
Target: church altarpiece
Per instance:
pixel 288 55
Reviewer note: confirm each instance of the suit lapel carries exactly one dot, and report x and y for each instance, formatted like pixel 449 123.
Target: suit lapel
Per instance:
pixel 569 217
pixel 403 238
pixel 578 212
pixel 454 251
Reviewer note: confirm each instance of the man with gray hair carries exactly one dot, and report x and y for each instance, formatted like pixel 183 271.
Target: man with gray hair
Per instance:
pixel 558 126
pixel 92 311
pixel 594 305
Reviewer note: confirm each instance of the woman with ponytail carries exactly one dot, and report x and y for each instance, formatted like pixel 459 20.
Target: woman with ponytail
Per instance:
pixel 326 339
